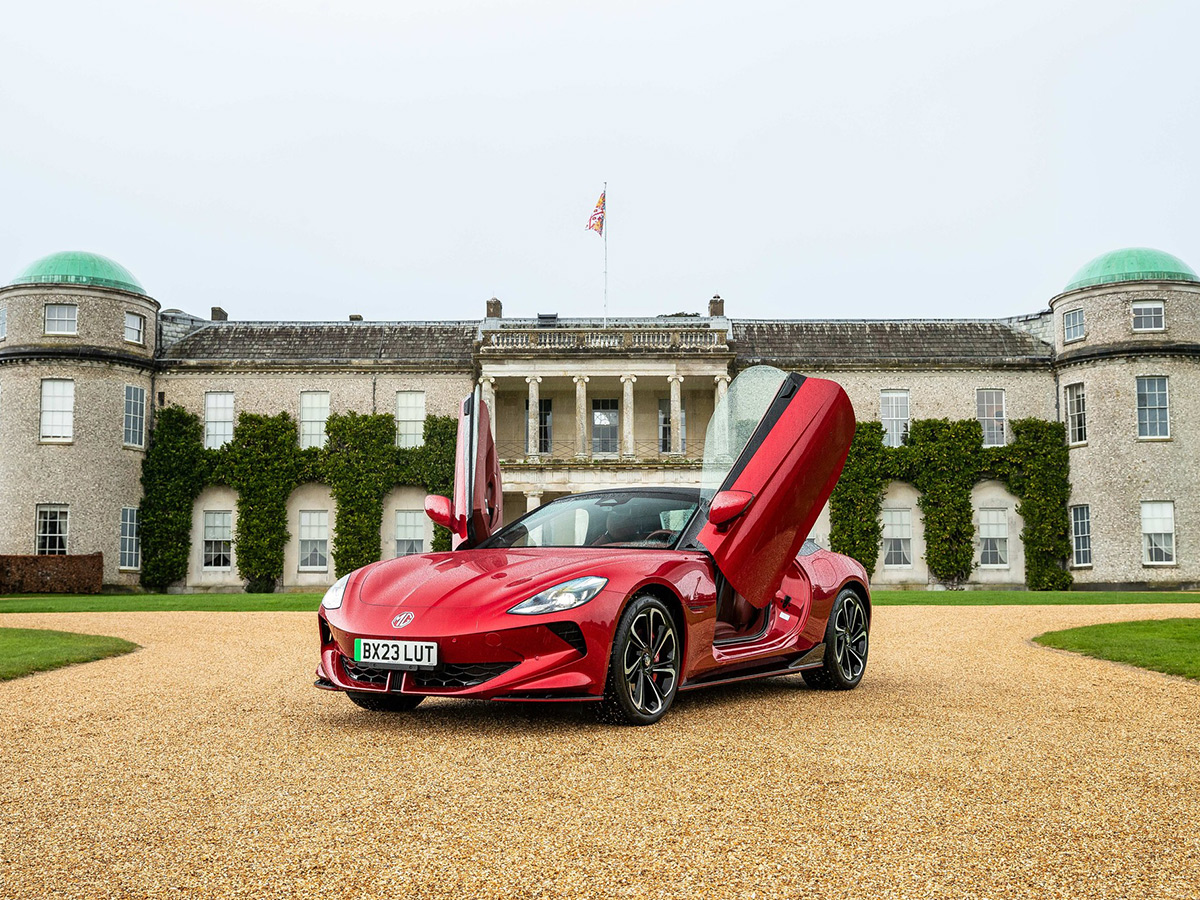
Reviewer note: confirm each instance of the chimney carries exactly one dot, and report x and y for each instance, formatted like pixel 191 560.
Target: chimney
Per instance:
pixel 716 307
pixel 495 310
pixel 219 315
pixel 355 317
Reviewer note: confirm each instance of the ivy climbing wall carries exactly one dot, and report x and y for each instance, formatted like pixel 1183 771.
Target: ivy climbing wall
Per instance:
pixel 944 460
pixel 263 463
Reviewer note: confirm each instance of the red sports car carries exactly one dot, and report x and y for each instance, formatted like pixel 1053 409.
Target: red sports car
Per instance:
pixel 621 597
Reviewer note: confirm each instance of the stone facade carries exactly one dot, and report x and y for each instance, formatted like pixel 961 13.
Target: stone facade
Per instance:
pixel 584 404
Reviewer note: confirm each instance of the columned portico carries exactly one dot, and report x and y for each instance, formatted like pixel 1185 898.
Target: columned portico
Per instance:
pixel 581 445
pixel 531 418
pixel 676 383
pixel 533 499
pixel 487 386
pixel 722 388
pixel 627 382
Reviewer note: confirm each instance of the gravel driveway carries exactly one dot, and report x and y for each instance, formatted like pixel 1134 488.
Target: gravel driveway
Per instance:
pixel 970 763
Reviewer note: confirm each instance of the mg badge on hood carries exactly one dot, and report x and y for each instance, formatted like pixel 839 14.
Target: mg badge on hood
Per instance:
pixel 401 620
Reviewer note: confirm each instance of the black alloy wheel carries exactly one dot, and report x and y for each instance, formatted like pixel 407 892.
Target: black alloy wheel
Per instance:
pixel 847 638
pixel 643 671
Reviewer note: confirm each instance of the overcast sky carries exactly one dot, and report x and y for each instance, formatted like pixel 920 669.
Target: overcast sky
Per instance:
pixel 402 160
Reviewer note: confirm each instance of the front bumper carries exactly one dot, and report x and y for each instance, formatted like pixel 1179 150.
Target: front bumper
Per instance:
pixel 555 660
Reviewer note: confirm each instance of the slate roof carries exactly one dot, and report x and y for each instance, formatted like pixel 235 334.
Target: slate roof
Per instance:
pixel 419 343
pixel 878 343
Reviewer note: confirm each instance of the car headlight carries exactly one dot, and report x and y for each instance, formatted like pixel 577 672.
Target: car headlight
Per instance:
pixel 333 596
pixel 567 595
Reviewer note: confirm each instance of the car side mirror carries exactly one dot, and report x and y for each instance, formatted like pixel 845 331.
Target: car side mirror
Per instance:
pixel 727 506
pixel 438 509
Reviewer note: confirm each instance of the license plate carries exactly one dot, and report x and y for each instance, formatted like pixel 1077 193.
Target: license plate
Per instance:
pixel 396 654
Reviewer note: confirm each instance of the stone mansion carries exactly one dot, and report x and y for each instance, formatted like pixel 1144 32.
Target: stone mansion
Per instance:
pixel 87 356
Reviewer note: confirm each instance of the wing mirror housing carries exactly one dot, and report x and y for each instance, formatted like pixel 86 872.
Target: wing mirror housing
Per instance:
pixel 727 506
pixel 438 509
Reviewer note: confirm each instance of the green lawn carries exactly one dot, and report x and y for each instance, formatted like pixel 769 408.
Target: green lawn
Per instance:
pixel 1025 598
pixel 37 603
pixel 1164 645
pixel 27 650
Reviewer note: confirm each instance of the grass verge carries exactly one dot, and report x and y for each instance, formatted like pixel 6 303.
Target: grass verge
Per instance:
pixel 1163 645
pixel 42 603
pixel 1027 598
pixel 27 650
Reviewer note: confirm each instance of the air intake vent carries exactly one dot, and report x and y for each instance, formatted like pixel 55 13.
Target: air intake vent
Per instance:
pixel 570 633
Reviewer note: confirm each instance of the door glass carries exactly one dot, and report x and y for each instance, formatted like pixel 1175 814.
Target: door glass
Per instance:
pixel 734 421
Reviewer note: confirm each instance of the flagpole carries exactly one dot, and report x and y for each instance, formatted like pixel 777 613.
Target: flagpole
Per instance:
pixel 606 254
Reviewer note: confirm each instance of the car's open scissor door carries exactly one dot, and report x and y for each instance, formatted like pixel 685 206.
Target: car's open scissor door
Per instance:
pixel 773 452
pixel 477 507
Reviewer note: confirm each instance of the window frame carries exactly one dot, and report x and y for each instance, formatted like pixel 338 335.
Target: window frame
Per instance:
pixel 205 540
pixel 616 439
pixel 301 540
pixel 1003 418
pixel 894 394
pixel 140 418
pixel 1174 550
pixel 43 437
pixel 1166 407
pixel 416 523
pixel 1077 534
pixel 905 541
pixel 545 424
pixel 134 537
pixel 46 320
pixel 1082 326
pixel 209 422
pixel 1076 418
pixel 320 436
pixel 141 319
pixel 3 322
pixel 65 534
pixel 1137 305
pixel 1007 560
pixel 403 438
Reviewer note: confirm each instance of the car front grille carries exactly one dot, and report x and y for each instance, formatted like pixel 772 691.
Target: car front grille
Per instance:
pixel 458 675
pixel 363 674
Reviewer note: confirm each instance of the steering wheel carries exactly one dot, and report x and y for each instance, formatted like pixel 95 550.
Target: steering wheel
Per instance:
pixel 662 534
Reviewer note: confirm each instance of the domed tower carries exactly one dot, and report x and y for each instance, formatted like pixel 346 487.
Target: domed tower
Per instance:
pixel 1127 341
pixel 77 344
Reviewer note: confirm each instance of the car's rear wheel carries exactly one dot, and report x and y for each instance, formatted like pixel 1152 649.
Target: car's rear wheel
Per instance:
pixel 385 702
pixel 847 639
pixel 643 671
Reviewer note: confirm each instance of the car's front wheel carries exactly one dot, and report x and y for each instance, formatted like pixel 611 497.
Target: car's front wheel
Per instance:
pixel 643 672
pixel 847 637
pixel 385 702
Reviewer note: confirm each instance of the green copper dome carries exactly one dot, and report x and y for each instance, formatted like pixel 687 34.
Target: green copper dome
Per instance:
pixel 77 267
pixel 1132 264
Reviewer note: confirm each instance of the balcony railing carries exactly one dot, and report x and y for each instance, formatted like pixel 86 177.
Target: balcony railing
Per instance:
pixel 617 338
pixel 567 453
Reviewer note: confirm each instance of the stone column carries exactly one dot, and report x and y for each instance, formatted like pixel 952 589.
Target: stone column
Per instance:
pixel 676 382
pixel 531 440
pixel 487 386
pixel 627 415
pixel 533 499
pixel 581 444
pixel 722 387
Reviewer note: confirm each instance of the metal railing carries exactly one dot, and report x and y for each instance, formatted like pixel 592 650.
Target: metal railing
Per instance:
pixel 567 452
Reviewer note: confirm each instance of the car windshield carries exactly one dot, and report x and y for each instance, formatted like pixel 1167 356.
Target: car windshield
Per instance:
pixel 650 520
pixel 734 421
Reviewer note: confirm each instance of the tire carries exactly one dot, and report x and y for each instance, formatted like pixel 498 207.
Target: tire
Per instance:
pixel 643 670
pixel 385 702
pixel 847 639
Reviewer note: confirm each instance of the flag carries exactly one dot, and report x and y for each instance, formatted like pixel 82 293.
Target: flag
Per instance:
pixel 596 222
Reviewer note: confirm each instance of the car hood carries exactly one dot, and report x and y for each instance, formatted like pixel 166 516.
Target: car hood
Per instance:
pixel 478 578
